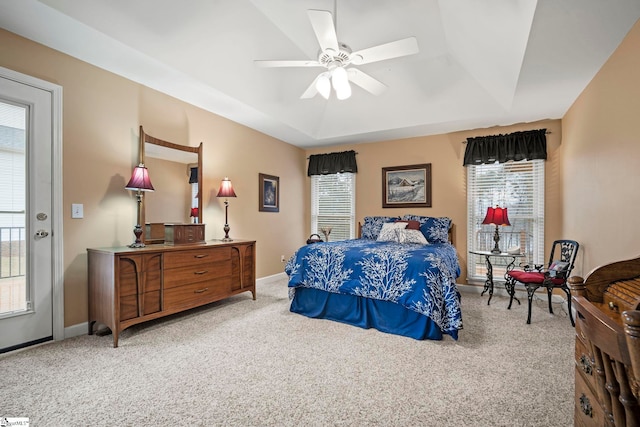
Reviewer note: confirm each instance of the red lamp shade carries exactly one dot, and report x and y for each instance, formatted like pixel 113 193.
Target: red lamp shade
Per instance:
pixel 497 216
pixel 226 189
pixel 194 212
pixel 140 179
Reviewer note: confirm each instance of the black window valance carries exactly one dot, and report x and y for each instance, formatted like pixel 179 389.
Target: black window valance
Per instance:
pixel 193 176
pixel 526 145
pixel 324 164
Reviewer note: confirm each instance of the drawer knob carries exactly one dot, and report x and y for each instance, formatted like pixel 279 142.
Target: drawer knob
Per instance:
pixel 199 291
pixel 201 272
pixel 612 306
pixel 585 405
pixel 585 364
pixel 201 256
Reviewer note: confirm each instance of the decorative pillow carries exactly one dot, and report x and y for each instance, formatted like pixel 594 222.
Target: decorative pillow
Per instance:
pixel 373 224
pixel 389 231
pixel 558 269
pixel 411 236
pixel 411 224
pixel 435 230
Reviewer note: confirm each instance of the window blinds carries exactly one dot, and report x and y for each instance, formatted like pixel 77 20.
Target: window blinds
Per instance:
pixel 12 165
pixel 333 205
pixel 518 186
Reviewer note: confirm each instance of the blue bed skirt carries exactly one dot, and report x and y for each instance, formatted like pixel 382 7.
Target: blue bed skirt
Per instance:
pixel 365 313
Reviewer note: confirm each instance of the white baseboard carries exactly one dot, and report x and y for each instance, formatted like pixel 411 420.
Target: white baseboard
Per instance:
pixel 273 278
pixel 472 289
pixel 76 330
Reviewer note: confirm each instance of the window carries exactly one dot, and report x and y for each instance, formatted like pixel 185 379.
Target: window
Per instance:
pixel 333 204
pixel 194 195
pixel 518 186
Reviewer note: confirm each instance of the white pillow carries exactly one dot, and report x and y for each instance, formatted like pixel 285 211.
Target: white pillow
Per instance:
pixel 411 236
pixel 389 231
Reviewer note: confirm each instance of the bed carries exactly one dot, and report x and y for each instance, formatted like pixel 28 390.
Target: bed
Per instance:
pixel 399 277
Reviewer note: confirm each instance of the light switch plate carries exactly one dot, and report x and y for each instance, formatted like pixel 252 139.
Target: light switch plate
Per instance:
pixel 77 210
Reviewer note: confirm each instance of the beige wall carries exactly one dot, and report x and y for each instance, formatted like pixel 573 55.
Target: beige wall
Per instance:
pixel 448 176
pixel 601 161
pixel 101 116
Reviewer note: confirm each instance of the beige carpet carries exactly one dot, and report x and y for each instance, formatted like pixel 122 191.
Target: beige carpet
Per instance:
pixel 254 363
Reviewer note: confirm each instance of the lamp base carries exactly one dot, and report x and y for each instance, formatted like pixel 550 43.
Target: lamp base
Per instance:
pixel 226 233
pixel 138 243
pixel 496 239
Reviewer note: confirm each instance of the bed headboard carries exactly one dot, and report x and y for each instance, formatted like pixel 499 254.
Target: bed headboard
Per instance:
pixel 450 233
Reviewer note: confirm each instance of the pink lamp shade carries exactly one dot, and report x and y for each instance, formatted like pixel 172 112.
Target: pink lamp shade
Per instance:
pixel 140 179
pixel 497 216
pixel 226 189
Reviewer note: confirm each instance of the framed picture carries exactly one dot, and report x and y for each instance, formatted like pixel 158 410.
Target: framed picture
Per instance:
pixel 406 186
pixel 269 193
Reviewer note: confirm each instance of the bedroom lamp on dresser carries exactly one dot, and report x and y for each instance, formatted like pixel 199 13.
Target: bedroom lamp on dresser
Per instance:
pixel 178 269
pixel 607 346
pixel 226 191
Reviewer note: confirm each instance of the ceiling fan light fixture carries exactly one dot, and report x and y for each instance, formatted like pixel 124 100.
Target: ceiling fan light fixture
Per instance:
pixel 323 85
pixel 344 92
pixel 340 82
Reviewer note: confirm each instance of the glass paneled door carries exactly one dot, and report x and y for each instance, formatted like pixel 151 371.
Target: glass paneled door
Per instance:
pixel 26 278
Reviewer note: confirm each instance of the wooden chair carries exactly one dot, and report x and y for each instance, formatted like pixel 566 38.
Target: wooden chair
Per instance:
pixel 554 276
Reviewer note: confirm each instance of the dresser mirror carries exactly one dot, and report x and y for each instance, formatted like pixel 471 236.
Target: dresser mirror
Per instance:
pixel 176 174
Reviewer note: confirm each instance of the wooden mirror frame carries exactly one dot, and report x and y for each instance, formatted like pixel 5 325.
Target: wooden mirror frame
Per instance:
pixel 146 138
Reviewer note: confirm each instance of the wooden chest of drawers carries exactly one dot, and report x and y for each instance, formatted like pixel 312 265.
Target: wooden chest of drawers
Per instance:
pixel 607 347
pixel 183 234
pixel 129 286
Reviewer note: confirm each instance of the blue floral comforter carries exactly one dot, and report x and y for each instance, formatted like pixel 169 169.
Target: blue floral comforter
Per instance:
pixel 421 278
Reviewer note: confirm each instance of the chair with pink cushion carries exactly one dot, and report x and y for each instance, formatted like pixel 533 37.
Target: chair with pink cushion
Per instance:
pixel 554 276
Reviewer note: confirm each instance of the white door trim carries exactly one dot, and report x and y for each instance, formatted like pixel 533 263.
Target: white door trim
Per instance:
pixel 57 246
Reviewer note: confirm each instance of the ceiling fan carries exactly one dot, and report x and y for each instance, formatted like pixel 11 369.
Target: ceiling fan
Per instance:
pixel 337 57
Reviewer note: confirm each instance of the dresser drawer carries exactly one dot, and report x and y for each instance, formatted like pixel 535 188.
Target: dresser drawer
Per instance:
pixel 195 257
pixel 196 273
pixel 585 364
pixel 196 294
pixel 587 409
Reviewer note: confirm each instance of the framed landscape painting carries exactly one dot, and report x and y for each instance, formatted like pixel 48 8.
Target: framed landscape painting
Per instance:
pixel 406 186
pixel 269 193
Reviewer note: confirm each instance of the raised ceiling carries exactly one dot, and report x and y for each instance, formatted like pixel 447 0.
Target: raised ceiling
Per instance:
pixel 481 63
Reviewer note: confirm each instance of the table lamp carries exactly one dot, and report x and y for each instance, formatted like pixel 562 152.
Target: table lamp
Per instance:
pixel 226 191
pixel 497 216
pixel 139 182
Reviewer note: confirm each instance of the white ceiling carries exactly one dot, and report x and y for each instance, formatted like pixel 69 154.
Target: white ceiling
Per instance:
pixel 481 63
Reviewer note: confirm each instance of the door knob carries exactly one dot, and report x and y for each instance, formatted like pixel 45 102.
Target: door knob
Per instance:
pixel 41 234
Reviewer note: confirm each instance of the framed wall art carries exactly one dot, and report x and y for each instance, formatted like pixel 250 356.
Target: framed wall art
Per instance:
pixel 406 186
pixel 269 193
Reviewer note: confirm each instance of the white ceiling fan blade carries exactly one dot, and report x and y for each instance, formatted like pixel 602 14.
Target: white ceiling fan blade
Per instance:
pixel 287 63
pixel 311 90
pixel 322 23
pixel 365 81
pixel 404 47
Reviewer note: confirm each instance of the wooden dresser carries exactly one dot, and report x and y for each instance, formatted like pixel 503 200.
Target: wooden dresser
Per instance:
pixel 607 349
pixel 128 286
